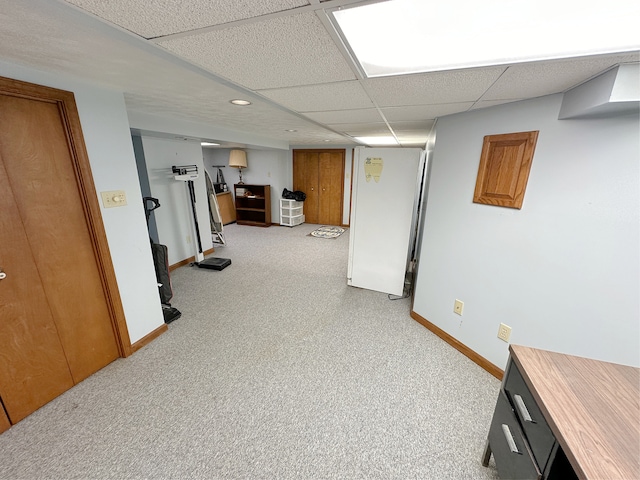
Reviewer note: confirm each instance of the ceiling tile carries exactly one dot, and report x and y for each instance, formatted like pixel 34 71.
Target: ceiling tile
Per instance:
pixel 357 129
pixel 367 115
pixel 430 88
pixel 279 52
pixel 412 126
pixel 490 103
pixel 154 18
pixel 423 112
pixel 545 78
pixel 320 98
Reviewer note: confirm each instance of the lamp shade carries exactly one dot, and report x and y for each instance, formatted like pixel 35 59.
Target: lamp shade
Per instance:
pixel 238 159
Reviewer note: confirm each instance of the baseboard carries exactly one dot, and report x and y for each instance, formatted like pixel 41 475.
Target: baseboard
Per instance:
pixel 189 260
pixel 182 263
pixel 461 347
pixel 149 337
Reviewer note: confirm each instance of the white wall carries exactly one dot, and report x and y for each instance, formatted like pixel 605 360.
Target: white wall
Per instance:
pixel 174 218
pixel 264 167
pixel 106 133
pixel 563 271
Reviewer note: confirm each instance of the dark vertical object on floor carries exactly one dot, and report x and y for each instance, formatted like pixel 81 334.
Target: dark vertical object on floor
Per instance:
pixel 161 263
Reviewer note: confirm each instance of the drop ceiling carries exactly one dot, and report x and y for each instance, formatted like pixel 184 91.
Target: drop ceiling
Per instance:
pixel 186 60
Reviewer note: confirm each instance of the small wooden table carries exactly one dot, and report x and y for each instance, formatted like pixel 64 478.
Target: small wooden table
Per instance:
pixel 591 408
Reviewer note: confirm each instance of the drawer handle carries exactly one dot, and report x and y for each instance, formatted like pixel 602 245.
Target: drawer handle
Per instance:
pixel 510 441
pixel 524 412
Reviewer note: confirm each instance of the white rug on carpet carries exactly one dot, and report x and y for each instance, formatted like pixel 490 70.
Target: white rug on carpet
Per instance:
pixel 327 232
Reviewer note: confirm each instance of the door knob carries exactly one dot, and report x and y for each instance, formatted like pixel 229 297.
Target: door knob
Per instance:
pixel 2 274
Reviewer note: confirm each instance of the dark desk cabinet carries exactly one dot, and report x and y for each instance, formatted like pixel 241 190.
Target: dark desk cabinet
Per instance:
pixel 520 439
pixel 560 417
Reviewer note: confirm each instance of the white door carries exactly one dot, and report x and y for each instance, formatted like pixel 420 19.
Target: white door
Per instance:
pixel 384 186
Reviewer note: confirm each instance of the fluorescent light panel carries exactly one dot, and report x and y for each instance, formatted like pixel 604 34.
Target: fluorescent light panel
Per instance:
pixel 410 36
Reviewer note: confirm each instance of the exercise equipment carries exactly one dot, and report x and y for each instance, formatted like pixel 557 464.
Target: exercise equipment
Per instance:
pixel 161 264
pixel 188 173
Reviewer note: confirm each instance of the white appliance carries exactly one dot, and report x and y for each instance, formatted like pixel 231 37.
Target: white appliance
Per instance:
pixel 385 188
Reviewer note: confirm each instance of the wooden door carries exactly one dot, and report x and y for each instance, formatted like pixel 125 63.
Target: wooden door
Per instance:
pixel 58 309
pixel 305 179
pixel 331 186
pixel 320 174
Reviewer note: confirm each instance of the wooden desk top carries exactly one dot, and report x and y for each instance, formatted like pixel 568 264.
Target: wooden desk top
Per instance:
pixel 592 407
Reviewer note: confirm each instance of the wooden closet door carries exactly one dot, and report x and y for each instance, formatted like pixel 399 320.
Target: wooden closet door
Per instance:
pixel 320 174
pixel 331 186
pixel 55 327
pixel 305 179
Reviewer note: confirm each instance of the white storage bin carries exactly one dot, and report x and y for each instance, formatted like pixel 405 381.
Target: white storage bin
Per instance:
pixel 292 221
pixel 291 212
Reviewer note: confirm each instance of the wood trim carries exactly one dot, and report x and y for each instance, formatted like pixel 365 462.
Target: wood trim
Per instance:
pixel 147 339
pixel 461 347
pixel 353 159
pixel 182 263
pixel 88 195
pixel 189 260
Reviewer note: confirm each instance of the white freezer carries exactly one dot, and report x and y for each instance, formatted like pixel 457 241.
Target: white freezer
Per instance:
pixel 384 188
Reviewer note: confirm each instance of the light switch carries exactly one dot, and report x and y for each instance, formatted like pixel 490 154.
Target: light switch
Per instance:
pixel 114 198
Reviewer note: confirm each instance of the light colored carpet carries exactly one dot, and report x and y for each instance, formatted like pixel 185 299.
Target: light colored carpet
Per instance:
pixel 276 370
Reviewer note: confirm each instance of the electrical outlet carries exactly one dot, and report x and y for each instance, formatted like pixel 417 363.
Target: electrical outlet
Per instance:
pixel 504 332
pixel 188 238
pixel 458 307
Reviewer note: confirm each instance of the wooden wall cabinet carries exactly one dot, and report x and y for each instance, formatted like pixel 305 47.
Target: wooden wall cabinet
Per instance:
pixel 253 204
pixel 504 169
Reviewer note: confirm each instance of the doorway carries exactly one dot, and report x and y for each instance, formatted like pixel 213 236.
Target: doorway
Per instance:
pixel 320 174
pixel 62 318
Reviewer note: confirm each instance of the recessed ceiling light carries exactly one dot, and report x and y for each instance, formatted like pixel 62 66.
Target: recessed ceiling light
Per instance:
pixel 240 102
pixel 209 144
pixel 493 32
pixel 290 130
pixel 377 140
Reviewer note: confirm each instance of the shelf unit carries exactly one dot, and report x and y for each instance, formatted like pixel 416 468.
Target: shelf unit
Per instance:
pixel 291 212
pixel 253 204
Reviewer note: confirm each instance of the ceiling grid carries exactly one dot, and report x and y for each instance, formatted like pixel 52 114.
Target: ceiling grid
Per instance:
pixel 188 59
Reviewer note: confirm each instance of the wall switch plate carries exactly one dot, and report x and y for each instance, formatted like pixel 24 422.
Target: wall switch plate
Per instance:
pixel 458 307
pixel 504 332
pixel 114 198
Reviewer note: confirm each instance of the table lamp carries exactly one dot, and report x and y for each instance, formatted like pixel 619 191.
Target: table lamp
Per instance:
pixel 238 159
